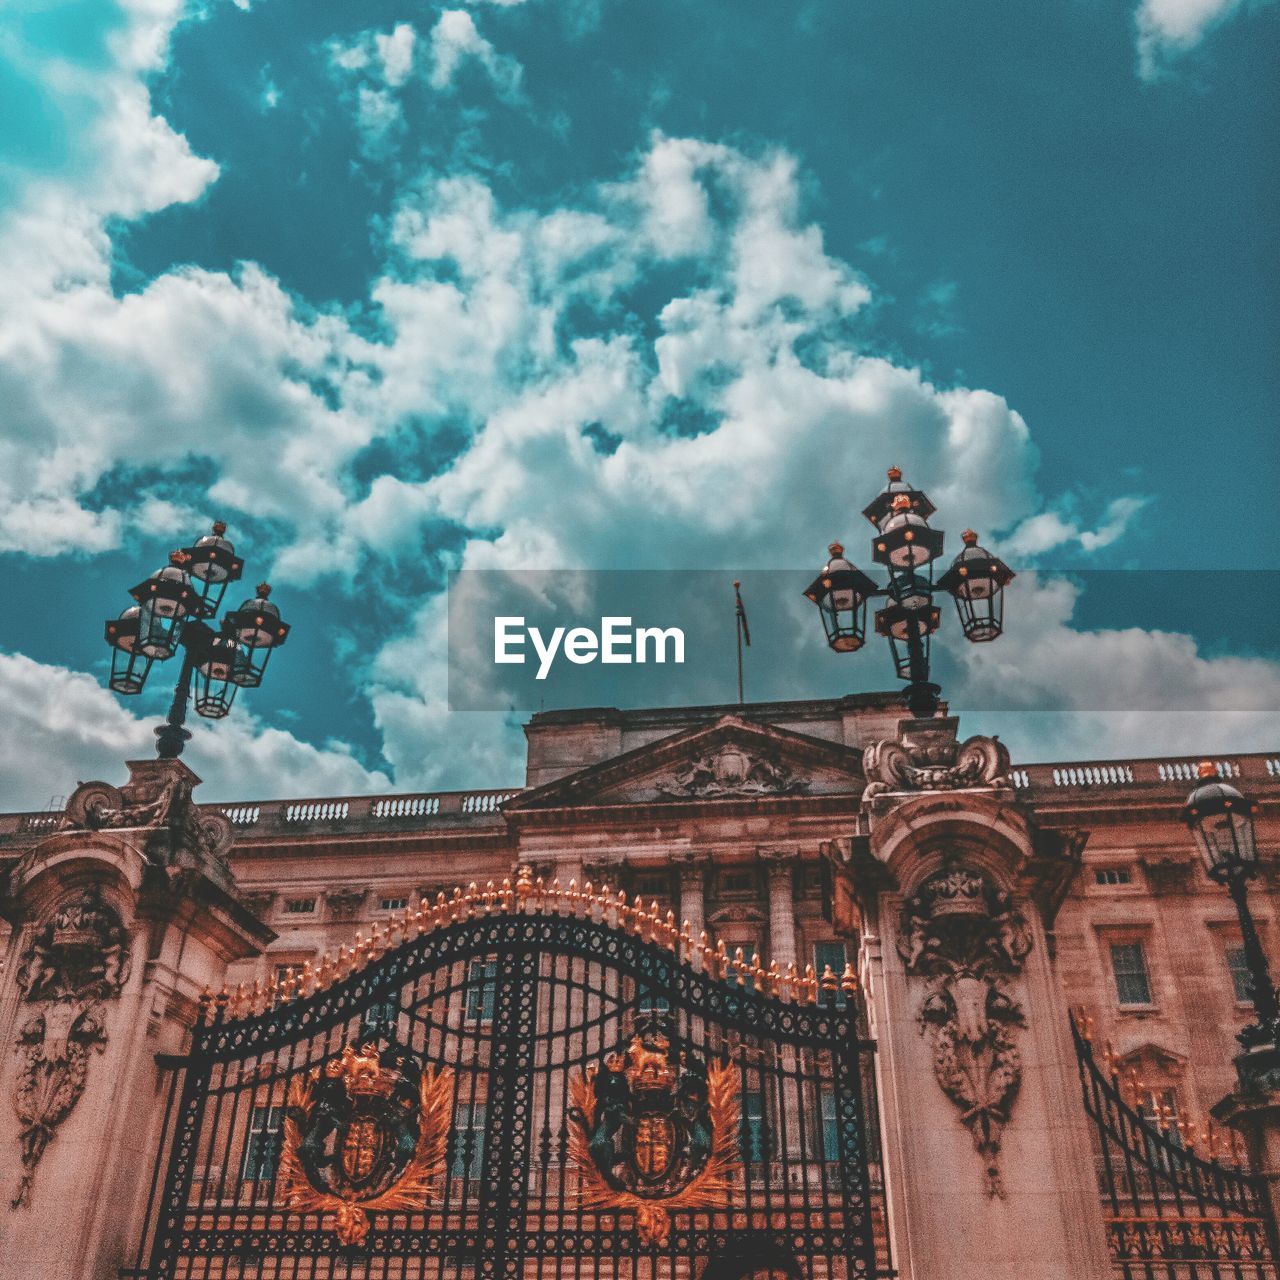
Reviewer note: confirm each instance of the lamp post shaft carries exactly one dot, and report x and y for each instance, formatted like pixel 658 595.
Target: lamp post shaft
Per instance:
pixel 171 736
pixel 1261 988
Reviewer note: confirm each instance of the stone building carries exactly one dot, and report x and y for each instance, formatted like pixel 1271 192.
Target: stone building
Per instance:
pixel 774 830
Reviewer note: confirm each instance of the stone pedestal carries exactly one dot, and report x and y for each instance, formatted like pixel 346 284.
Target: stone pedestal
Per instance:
pixel 988 1165
pixel 121 919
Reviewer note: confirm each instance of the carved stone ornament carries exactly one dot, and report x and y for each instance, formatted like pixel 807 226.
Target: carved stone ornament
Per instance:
pixel 963 934
pixel 345 903
pixel 76 960
pixel 731 771
pixel 930 759
pixel 156 800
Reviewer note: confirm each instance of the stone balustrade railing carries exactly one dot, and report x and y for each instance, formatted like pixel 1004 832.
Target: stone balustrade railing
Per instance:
pixel 1171 776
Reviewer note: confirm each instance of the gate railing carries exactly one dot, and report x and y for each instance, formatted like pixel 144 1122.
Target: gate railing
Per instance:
pixel 1170 1213
pixel 514 992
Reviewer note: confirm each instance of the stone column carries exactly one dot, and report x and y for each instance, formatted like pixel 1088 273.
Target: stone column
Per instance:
pixel 121 919
pixel 989 1170
pixel 780 867
pixel 693 903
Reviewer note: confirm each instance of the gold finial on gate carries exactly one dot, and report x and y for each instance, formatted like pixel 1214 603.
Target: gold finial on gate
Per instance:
pixel 849 981
pixel 810 985
pixel 524 881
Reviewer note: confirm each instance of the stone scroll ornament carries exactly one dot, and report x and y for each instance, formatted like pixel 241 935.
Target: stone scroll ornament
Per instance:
pixel 654 1132
pixel 962 933
pixel 76 960
pixel 366 1133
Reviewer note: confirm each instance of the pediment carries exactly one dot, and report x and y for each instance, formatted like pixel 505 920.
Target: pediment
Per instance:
pixel 1152 1062
pixel 731 760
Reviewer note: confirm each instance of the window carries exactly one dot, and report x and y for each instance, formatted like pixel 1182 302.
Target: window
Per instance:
pixel 262 1150
pixel 1112 876
pixel 754 1135
pixel 381 1015
pixel 1129 964
pixel 650 999
pixel 468 1140
pixel 1239 969
pixel 482 990
pixel 737 882
pixel 393 904
pixel 653 886
pixel 299 906
pixel 834 955
pixel 1160 1110
pixel 829 1134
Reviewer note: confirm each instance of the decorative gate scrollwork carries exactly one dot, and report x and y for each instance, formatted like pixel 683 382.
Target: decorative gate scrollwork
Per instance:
pixel 528 1083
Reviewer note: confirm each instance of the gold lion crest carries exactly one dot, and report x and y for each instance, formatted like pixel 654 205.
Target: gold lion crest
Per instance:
pixel 366 1133
pixel 654 1132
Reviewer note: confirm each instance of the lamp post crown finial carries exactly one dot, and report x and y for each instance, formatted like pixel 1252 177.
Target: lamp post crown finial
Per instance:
pixel 895 474
pixel 969 538
pixel 1206 769
pixel 836 548
pixel 264 590
pixel 219 527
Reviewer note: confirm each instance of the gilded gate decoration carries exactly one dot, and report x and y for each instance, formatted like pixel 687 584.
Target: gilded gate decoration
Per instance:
pixel 520 1082
pixel 366 1133
pixel 655 1132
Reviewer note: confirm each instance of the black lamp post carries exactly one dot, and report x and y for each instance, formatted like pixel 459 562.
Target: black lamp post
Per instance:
pixel 1221 820
pixel 171 611
pixel 908 548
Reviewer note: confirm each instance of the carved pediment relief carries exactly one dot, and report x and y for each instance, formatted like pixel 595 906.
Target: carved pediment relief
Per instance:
pixel 732 759
pixel 737 913
pixel 1152 1062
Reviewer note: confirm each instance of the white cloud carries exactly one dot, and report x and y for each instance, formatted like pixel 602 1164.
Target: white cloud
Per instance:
pixel 455 41
pixel 1168 29
pixel 62 727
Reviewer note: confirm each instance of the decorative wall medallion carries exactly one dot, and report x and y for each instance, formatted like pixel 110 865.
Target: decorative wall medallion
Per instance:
pixel 731 771
pixel 654 1132
pixel 366 1133
pixel 75 961
pixel 964 935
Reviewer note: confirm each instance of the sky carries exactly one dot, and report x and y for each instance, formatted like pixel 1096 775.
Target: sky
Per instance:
pixel 397 289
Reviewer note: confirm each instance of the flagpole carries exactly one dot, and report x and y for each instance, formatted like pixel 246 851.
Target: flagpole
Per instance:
pixel 737 626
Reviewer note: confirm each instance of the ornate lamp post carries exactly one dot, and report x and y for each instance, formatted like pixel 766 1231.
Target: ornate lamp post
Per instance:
pixel 908 548
pixel 172 607
pixel 1221 820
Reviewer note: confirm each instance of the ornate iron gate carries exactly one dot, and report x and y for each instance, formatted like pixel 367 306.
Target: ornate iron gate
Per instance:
pixel 1170 1214
pixel 520 1082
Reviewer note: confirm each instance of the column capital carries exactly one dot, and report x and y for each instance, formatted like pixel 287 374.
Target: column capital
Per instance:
pixel 778 863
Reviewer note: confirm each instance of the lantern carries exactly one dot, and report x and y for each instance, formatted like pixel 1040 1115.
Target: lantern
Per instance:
pixel 212 563
pixel 1221 820
pixel 840 591
pixel 166 599
pixel 129 665
pixel 260 630
pixel 977 580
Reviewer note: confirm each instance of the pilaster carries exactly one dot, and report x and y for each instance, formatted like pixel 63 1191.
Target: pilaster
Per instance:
pixel 122 918
pixel 987 1155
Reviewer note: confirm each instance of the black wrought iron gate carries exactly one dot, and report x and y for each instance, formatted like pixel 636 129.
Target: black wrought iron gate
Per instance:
pixel 520 1083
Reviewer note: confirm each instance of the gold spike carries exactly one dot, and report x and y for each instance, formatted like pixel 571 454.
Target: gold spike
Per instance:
pixel 710 961
pixel 810 985
pixel 308 977
pixel 773 977
pixel 792 981
pixel 508 894
pixel 849 981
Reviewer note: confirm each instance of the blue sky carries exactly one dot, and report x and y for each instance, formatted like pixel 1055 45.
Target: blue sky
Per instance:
pixel 399 288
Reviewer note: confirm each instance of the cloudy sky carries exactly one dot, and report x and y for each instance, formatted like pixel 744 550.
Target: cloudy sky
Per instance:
pixel 398 288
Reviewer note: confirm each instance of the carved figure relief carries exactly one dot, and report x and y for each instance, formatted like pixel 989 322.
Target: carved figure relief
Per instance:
pixel 654 1131
pixel 77 960
pixel 962 933
pixel 731 771
pixel 932 760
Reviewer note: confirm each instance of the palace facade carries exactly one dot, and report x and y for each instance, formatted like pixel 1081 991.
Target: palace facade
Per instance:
pixel 756 826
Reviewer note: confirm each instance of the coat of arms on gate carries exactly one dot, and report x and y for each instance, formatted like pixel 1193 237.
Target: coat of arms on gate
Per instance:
pixel 653 1132
pixel 365 1133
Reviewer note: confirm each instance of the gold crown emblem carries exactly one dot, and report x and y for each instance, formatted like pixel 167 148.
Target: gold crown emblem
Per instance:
pixel 362 1073
pixel 646 1066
